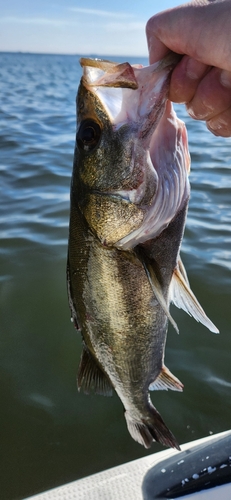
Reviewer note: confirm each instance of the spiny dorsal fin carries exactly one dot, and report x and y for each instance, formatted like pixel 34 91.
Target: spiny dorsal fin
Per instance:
pixel 155 285
pixel 91 377
pixel 183 297
pixel 166 380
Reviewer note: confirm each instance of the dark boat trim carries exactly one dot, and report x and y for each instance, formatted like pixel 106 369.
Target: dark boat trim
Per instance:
pixel 198 468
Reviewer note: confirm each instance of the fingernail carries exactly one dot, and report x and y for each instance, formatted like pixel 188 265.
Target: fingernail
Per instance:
pixel 225 78
pixel 196 116
pixel 213 128
pixel 218 127
pixel 195 69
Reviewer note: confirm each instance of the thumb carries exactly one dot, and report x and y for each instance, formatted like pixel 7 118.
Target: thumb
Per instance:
pixel 191 29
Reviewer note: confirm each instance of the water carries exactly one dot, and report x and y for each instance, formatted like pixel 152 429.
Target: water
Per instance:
pixel 50 434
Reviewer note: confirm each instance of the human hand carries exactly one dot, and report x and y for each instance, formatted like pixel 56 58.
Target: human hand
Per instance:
pixel 201 31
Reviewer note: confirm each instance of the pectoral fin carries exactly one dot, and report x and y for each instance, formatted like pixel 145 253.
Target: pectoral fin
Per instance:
pixel 183 297
pixel 166 380
pixel 155 285
pixel 91 377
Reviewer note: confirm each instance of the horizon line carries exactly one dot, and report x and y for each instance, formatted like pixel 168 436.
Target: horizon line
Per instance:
pixel 74 54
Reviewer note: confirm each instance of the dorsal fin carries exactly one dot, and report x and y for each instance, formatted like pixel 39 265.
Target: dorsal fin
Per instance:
pixel 183 297
pixel 91 377
pixel 166 380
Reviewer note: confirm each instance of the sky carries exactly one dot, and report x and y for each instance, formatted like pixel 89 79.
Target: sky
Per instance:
pixel 78 26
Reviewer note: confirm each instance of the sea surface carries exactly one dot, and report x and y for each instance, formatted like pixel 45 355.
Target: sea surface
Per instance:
pixel 50 433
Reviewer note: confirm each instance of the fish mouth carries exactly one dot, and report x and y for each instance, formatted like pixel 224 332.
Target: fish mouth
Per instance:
pixel 136 97
pixel 129 93
pixel 167 157
pixel 164 188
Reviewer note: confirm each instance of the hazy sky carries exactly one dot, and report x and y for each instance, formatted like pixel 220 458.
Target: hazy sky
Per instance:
pixel 77 26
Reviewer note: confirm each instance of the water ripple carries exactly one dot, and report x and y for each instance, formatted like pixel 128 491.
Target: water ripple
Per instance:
pixel 39 347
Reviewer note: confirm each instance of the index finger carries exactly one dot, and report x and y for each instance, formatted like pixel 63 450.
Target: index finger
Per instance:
pixel 157 49
pixel 156 40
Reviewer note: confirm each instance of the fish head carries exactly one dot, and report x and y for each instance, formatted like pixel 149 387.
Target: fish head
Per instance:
pixel 103 154
pixel 119 108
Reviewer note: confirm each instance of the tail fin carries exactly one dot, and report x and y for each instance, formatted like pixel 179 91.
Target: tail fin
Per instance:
pixel 149 429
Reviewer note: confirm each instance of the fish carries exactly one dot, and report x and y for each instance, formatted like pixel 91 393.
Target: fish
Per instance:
pixel 128 205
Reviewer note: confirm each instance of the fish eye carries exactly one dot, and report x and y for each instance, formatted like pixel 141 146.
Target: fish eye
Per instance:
pixel 88 135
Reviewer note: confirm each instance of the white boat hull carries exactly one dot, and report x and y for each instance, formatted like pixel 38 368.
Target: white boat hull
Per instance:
pixel 138 480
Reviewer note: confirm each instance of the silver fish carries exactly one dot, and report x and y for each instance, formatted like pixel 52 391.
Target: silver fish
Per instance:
pixel 129 197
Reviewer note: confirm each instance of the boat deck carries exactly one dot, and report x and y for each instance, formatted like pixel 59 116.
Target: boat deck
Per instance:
pixel 130 481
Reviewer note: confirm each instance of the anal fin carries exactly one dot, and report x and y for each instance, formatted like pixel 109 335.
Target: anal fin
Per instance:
pixel 91 377
pixel 166 380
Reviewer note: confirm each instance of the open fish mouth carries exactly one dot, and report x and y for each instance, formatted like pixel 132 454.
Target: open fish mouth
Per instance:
pixel 170 166
pixel 135 98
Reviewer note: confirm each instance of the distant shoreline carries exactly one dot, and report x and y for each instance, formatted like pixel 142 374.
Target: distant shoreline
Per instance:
pixel 100 56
